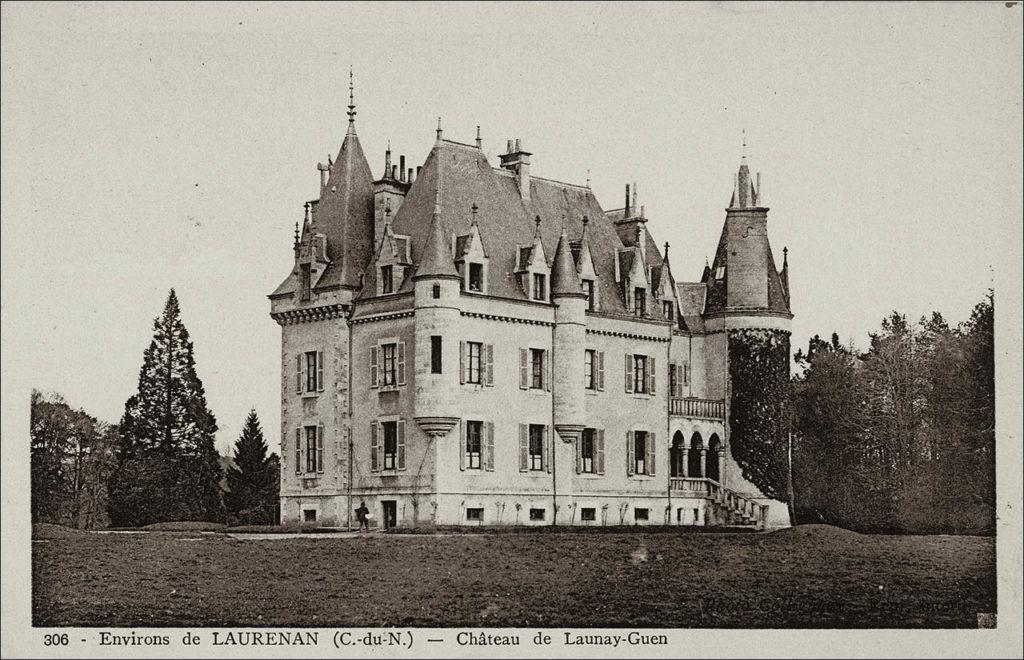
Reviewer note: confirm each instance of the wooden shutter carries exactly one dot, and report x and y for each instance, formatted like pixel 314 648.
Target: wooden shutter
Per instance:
pixel 374 447
pixel 629 373
pixel 400 458
pixel 489 365
pixel 579 453
pixel 298 373
pixel 599 451
pixel 524 368
pixel 298 450
pixel 547 370
pixel 463 440
pixel 320 448
pixel 401 363
pixel 650 375
pixel 489 447
pixel 319 371
pixel 630 454
pixel 463 361
pixel 524 447
pixel 373 366
pixel 600 370
pixel 686 374
pixel 547 449
pixel 652 453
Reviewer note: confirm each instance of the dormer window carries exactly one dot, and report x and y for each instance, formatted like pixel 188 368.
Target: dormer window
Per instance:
pixel 305 292
pixel 720 273
pixel 476 277
pixel 670 309
pixel 539 286
pixel 640 301
pixel 588 289
pixel 387 279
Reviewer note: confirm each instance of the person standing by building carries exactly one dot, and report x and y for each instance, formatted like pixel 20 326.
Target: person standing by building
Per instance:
pixel 362 515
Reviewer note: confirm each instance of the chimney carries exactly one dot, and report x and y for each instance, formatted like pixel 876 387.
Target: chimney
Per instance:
pixel 758 195
pixel 636 188
pixel 387 161
pixel 394 172
pixel 517 160
pixel 409 178
pixel 401 167
pixel 627 202
pixel 418 168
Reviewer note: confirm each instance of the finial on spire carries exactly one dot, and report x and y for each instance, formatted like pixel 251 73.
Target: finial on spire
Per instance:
pixel 473 210
pixel 479 140
pixel 588 178
pixel 295 242
pixel 439 131
pixel 666 249
pixel 706 264
pixel 536 232
pixel 785 256
pixel 743 132
pixel 307 211
pixel 351 100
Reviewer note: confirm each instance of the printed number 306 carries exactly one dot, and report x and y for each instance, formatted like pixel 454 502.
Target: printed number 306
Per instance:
pixel 55 639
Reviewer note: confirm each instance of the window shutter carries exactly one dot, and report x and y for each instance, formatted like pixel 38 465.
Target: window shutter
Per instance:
pixel 489 365
pixel 319 371
pixel 463 361
pixel 524 447
pixel 463 439
pixel 629 373
pixel 600 370
pixel 547 449
pixel 650 375
pixel 579 454
pixel 524 372
pixel 401 363
pixel 298 373
pixel 652 452
pixel 630 454
pixel 373 366
pixel 672 380
pixel 320 448
pixel 547 370
pixel 400 458
pixel 686 374
pixel 599 452
pixel 374 447
pixel 298 450
pixel 489 454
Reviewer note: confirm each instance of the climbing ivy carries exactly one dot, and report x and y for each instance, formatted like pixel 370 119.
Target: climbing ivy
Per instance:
pixel 759 377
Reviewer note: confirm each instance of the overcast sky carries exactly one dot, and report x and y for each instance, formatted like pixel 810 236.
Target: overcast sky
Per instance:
pixel 155 146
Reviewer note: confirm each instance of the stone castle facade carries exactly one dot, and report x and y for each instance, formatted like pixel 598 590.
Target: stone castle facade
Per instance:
pixel 468 344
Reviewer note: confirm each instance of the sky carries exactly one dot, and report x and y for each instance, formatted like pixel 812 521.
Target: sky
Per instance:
pixel 150 146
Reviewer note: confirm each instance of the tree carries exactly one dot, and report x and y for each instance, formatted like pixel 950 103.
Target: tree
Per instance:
pixel 253 479
pixel 168 467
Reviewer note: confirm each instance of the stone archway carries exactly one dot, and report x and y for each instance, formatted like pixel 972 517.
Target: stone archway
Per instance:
pixel 677 455
pixel 712 466
pixel 695 467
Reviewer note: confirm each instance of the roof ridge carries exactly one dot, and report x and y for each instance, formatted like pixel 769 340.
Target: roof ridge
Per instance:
pixel 561 183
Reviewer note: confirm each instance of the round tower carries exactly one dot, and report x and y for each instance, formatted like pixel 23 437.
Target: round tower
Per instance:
pixel 568 342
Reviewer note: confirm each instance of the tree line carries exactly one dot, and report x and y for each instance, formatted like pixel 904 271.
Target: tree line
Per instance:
pixel 160 463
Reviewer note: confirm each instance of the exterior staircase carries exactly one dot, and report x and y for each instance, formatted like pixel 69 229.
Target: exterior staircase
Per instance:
pixel 726 507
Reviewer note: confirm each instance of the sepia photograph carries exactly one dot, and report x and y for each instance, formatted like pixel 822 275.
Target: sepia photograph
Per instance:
pixel 521 329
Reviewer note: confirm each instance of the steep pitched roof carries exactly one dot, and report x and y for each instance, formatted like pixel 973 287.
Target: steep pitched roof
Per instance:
pixel 691 296
pixel 435 260
pixel 564 279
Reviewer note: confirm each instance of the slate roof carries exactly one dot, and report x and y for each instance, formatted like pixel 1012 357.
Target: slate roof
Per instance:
pixel 691 297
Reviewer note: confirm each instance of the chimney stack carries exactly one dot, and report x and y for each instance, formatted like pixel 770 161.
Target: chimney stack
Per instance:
pixel 758 195
pixel 518 161
pixel 409 178
pixel 387 161
pixel 627 202
pixel 401 167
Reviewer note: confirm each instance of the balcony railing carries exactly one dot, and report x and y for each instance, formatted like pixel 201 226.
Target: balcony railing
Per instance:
pixel 695 486
pixel 701 408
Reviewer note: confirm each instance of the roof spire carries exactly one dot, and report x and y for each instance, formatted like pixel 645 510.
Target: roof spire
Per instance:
pixel 565 281
pixel 536 232
pixel 351 103
pixel 666 251
pixel 479 140
pixel 586 221
pixel 437 253
pixel 473 211
pixel 295 242
pixel 439 131
pixel 785 256
pixel 588 177
pixel 743 132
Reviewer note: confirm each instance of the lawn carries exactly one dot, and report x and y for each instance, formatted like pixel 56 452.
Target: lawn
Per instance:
pixel 810 576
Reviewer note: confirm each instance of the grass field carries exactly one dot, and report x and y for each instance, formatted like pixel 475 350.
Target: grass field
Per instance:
pixel 810 576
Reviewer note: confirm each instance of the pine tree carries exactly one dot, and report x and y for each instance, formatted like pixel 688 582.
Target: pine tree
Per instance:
pixel 253 480
pixel 168 466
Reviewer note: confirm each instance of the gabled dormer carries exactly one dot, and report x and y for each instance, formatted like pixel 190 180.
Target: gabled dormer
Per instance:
pixel 311 259
pixel 589 282
pixel 632 276
pixel 471 259
pixel 392 261
pixel 665 289
pixel 532 269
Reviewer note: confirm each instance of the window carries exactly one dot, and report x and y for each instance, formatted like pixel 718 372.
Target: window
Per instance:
pixel 536 514
pixel 640 452
pixel 474 434
pixel 588 514
pixel 670 310
pixel 306 282
pixel 536 455
pixel 587 452
pixel 538 287
pixel 640 374
pixel 435 354
pixel 390 444
pixel 588 288
pixel 312 455
pixel 536 369
pixel 641 514
pixel 311 372
pixel 436 291
pixel 476 277
pixel 390 366
pixel 386 279
pixel 475 515
pixel 720 273
pixel 589 370
pixel 475 351
pixel 309 515
pixel 640 301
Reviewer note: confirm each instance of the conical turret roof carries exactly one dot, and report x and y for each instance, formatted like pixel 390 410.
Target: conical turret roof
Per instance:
pixel 565 281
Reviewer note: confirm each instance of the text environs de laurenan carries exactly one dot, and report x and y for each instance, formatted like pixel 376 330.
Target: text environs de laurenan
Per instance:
pixel 569 639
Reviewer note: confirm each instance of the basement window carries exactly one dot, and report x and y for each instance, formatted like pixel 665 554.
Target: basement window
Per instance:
pixel 475 515
pixel 588 514
pixel 309 515
pixel 536 514
pixel 641 514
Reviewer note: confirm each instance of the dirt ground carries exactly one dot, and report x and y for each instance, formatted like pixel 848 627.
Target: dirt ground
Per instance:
pixel 808 577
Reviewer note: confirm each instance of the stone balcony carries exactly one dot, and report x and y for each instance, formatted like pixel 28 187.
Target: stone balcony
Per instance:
pixel 697 408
